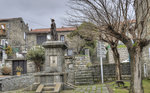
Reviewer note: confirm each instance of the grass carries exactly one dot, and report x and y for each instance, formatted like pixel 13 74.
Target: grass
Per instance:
pixel 146 85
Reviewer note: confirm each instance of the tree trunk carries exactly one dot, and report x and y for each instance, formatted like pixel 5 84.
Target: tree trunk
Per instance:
pixel 136 70
pixel 37 66
pixel 117 61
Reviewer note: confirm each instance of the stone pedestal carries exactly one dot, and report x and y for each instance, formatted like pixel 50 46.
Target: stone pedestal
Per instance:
pixel 54 63
pixel 54 56
pixel 49 78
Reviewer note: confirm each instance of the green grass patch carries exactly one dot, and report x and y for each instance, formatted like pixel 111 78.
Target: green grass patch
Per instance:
pixel 121 46
pixel 146 85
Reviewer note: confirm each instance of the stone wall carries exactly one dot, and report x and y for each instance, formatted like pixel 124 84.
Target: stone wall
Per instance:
pixel 16 82
pixel 30 65
pixel 92 74
pixel 123 54
pixel 15 30
pixel 31 40
pixel 146 61
pixel 109 70
pixel 81 61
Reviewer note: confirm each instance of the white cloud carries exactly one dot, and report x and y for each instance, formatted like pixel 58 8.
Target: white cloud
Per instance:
pixel 36 13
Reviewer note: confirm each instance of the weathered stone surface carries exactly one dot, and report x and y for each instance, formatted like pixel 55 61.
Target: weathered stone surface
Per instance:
pixel 16 82
pixel 124 55
pixel 93 74
pixel 54 56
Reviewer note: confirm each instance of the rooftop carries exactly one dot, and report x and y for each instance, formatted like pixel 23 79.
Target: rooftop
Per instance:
pixel 8 19
pixel 46 30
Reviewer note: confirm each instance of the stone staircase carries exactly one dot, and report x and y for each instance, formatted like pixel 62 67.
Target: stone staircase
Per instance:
pixel 49 88
pixel 83 77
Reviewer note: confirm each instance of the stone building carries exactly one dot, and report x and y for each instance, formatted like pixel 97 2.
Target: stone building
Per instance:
pixel 13 33
pixel 38 36
pixel 124 55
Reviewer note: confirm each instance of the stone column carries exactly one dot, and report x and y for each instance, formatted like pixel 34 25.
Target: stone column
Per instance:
pixel 54 56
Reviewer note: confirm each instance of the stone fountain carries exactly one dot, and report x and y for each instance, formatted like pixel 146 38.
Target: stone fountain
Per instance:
pixel 53 68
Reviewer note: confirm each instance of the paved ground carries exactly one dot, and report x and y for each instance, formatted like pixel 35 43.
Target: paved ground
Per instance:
pixel 80 89
pixel 89 89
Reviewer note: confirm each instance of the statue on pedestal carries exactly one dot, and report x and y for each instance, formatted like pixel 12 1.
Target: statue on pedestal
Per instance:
pixel 54 35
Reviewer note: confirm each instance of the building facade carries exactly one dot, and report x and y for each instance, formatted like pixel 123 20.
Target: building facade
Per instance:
pixel 38 36
pixel 12 33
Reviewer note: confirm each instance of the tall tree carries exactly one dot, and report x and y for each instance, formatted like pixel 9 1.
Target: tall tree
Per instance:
pixel 90 32
pixel 115 18
pixel 113 42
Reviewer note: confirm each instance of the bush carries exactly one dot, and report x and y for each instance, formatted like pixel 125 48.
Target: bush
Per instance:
pixel 6 70
pixel 37 55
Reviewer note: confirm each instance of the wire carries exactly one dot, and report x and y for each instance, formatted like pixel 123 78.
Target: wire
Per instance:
pixel 35 22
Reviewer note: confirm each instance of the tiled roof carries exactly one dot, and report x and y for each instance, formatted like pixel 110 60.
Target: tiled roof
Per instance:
pixel 7 19
pixel 46 30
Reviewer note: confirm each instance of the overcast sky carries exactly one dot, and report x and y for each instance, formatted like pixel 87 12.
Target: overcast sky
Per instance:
pixel 36 13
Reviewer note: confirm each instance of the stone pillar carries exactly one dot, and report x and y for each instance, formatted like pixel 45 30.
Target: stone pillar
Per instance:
pixel 54 56
pixel 54 66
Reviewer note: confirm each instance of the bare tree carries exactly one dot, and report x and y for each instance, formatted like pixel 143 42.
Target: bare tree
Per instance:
pixel 115 18
pixel 113 42
pixel 89 31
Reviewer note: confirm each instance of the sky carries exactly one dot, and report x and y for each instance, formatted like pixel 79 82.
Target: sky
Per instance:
pixel 37 13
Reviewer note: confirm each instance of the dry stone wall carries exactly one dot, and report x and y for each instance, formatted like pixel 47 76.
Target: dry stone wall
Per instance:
pixel 92 74
pixel 16 82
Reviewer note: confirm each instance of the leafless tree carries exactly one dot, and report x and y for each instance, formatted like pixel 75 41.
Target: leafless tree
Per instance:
pixel 89 31
pixel 113 42
pixel 115 18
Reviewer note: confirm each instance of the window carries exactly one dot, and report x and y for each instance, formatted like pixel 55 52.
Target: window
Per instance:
pixel 62 38
pixel 3 41
pixel 3 27
pixel 41 39
pixel 24 35
pixel 70 52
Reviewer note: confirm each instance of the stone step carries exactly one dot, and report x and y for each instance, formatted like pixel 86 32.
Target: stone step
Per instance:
pixel 84 83
pixel 39 89
pixel 49 92
pixel 48 88
pixel 84 71
pixel 83 80
pixel 85 76
pixel 49 84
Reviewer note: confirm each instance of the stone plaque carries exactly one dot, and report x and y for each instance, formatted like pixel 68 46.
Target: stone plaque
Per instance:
pixel 53 61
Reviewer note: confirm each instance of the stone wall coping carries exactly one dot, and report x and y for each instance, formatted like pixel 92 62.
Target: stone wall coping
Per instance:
pixel 11 77
pixel 55 44
pixel 14 59
pixel 49 74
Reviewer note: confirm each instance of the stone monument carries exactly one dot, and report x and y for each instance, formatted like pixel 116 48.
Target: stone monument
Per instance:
pixel 53 68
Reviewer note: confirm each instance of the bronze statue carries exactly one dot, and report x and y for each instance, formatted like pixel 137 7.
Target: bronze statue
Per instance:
pixel 54 35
